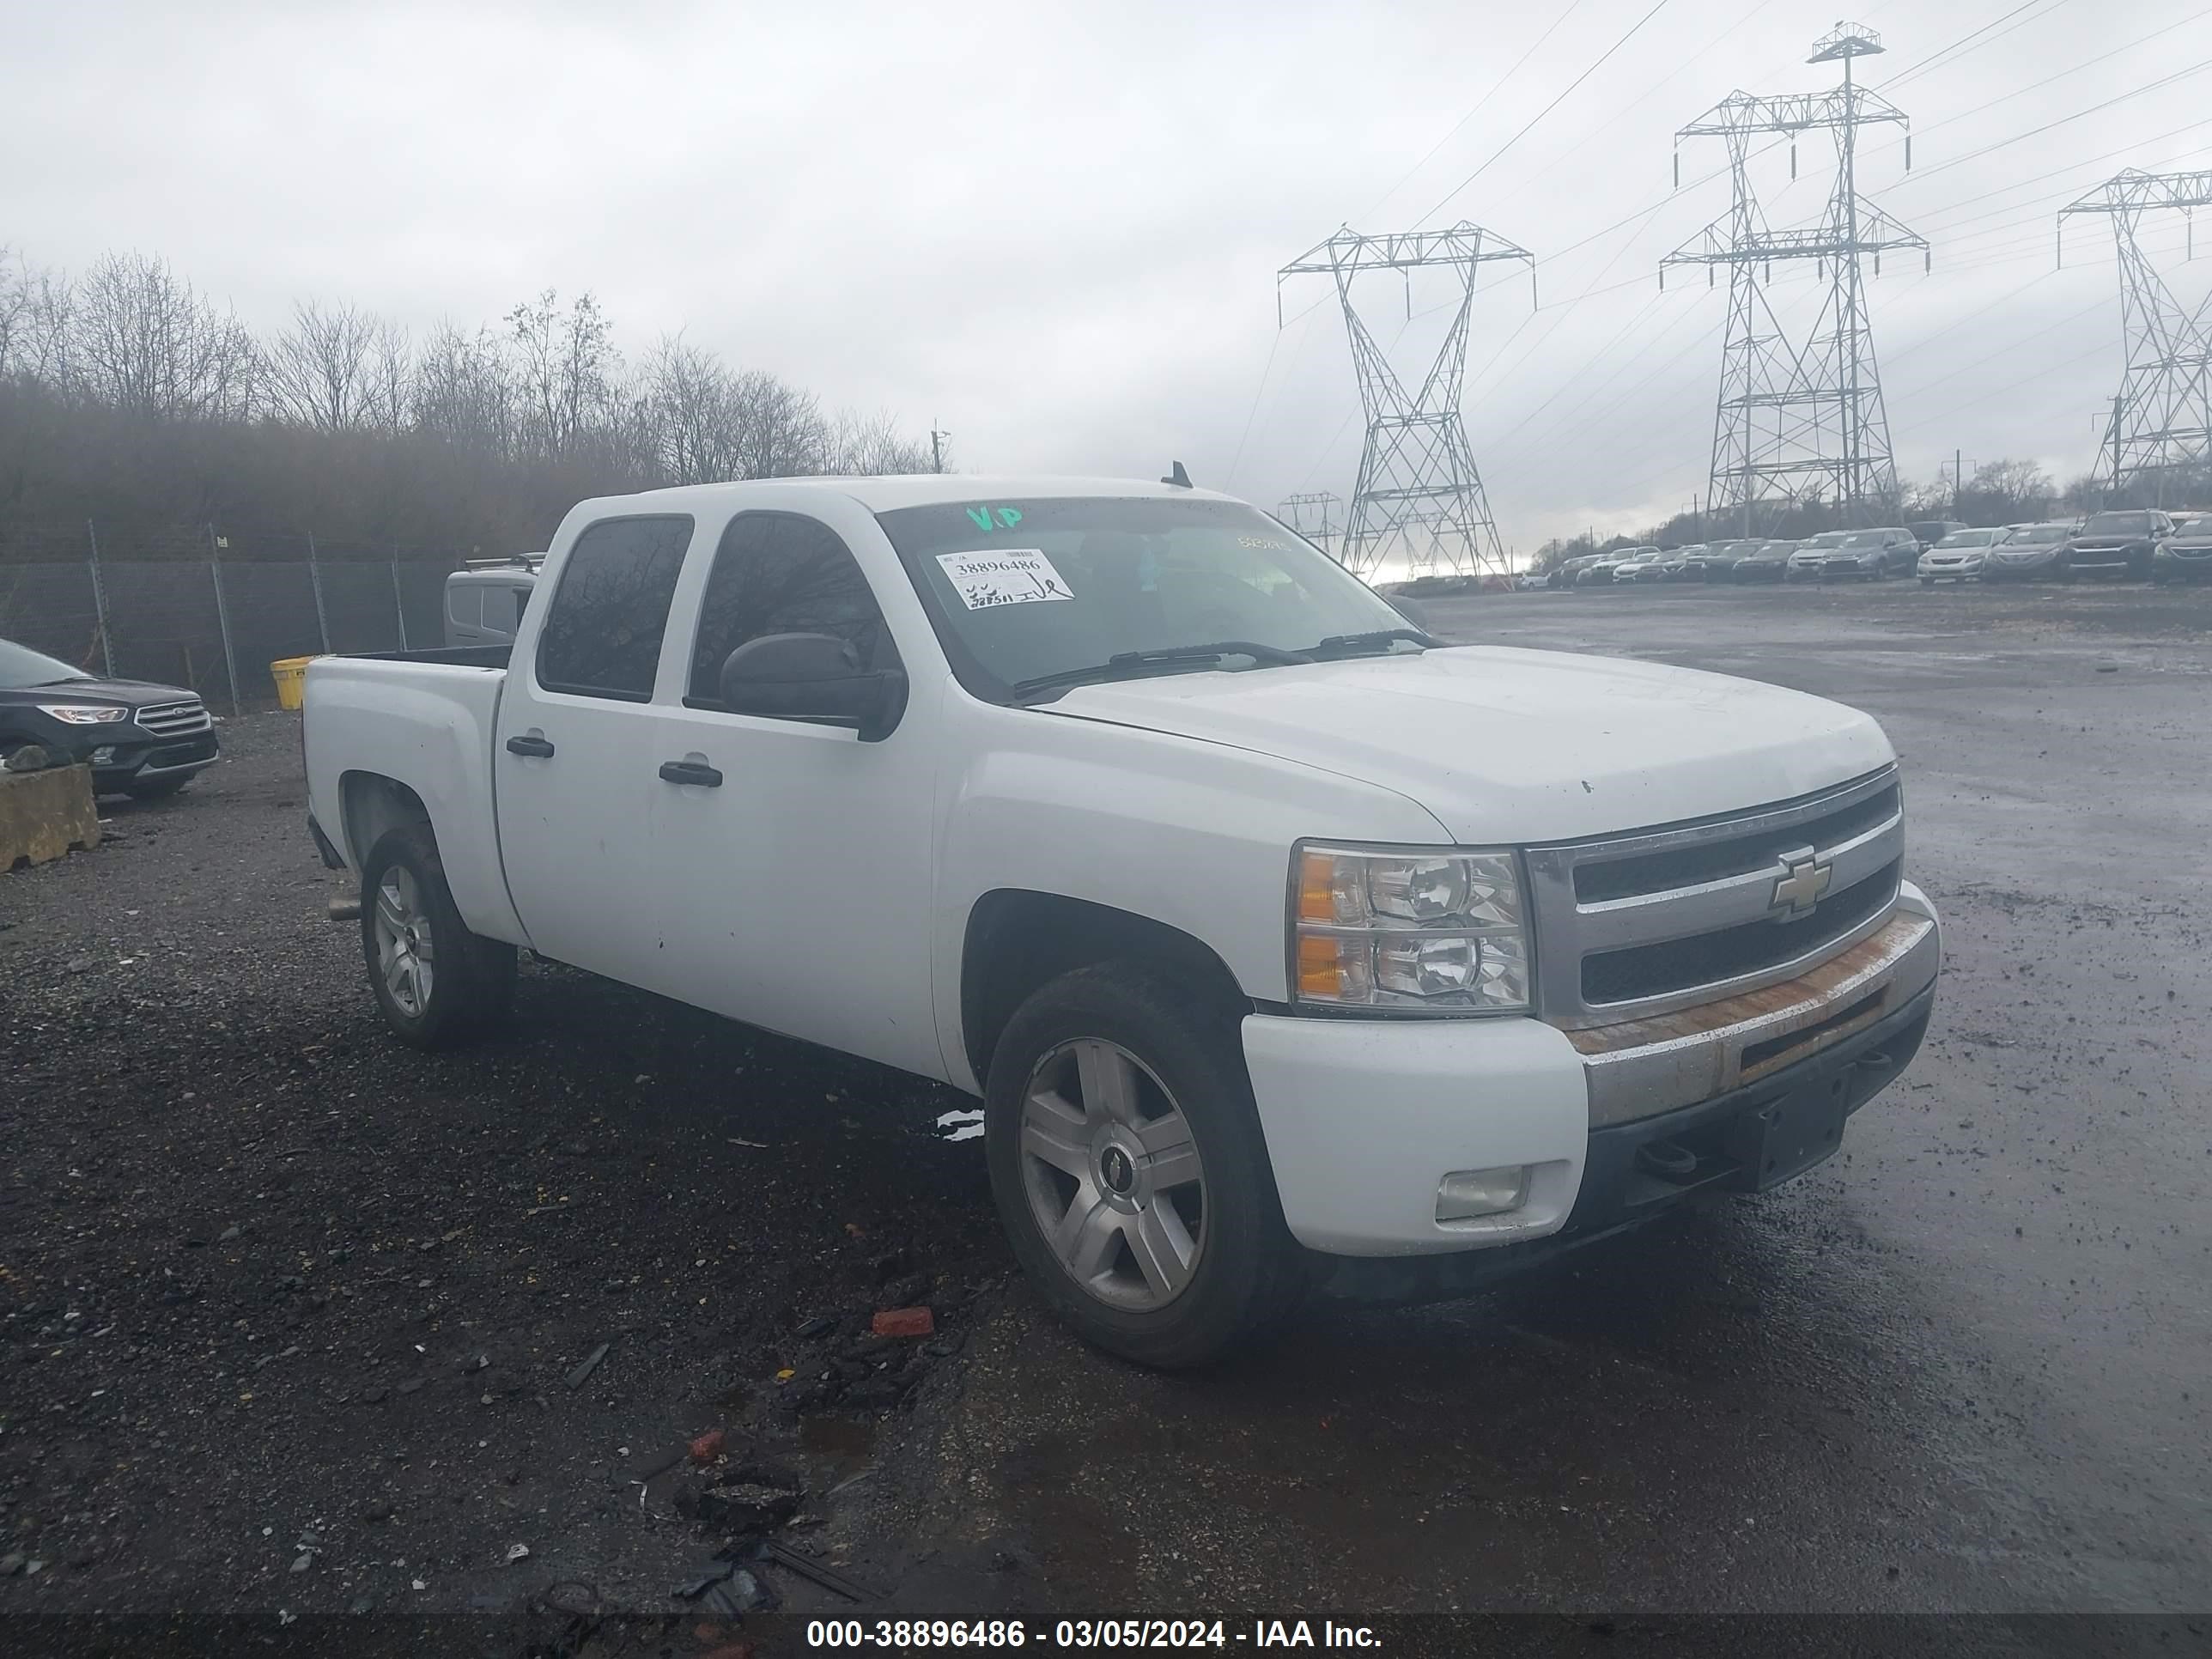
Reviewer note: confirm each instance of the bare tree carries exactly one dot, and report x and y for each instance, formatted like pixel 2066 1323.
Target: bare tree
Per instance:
pixel 872 445
pixel 143 342
pixel 319 368
pixel 567 365
pixel 780 430
pixel 463 393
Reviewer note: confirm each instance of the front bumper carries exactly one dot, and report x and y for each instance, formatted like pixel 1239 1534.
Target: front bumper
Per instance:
pixel 1364 1118
pixel 1949 569
pixel 145 761
pixel 2194 563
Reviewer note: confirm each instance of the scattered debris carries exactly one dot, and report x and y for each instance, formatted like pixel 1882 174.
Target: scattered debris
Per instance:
pixel 745 1505
pixel 517 1553
pixel 807 1567
pixel 582 1374
pixel 707 1447
pixel 904 1321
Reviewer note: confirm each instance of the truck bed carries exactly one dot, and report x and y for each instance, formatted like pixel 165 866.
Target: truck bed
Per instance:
pixel 428 719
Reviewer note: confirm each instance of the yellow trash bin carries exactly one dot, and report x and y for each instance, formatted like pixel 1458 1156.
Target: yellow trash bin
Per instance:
pixel 291 674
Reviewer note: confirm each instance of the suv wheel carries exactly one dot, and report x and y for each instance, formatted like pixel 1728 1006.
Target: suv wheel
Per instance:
pixel 1129 1170
pixel 436 982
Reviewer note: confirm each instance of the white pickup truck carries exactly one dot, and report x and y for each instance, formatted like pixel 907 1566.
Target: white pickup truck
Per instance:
pixel 1288 949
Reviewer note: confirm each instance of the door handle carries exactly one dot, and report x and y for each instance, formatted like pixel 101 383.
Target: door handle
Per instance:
pixel 693 772
pixel 535 746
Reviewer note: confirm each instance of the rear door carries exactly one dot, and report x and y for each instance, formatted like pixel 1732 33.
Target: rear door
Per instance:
pixel 574 766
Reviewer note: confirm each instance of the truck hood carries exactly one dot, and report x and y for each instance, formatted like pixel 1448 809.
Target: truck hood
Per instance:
pixel 1509 745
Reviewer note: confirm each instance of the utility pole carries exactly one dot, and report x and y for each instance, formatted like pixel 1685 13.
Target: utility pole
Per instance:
pixel 936 447
pixel 1796 422
pixel 2162 414
pixel 1418 496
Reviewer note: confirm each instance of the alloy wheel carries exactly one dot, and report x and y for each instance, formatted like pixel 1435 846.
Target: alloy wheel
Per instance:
pixel 1113 1176
pixel 404 949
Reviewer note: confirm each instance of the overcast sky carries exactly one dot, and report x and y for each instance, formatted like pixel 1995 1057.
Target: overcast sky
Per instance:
pixel 1055 228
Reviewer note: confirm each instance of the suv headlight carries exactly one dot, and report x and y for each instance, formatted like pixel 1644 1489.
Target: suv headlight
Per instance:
pixel 1376 928
pixel 84 713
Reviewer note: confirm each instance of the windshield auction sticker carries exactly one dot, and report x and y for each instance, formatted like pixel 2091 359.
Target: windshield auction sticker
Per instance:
pixel 1004 576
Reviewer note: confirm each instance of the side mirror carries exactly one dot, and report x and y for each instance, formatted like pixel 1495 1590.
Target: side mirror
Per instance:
pixel 814 677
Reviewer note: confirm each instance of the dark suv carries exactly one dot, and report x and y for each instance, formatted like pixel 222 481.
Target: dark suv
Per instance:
pixel 1876 555
pixel 2120 543
pixel 140 739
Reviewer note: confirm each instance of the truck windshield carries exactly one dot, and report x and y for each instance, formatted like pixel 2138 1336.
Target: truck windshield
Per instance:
pixel 2116 524
pixel 21 667
pixel 1032 593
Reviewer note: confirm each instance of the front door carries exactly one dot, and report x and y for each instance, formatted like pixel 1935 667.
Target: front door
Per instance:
pixel 793 890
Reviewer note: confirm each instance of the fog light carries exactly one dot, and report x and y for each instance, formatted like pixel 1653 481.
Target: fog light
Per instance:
pixel 1466 1195
pixel 102 756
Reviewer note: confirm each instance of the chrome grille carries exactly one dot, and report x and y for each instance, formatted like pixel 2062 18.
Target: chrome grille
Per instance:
pixel 1643 924
pixel 172 720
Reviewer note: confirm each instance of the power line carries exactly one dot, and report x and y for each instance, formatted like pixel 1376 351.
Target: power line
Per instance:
pixel 1659 6
pixel 1474 109
pixel 2001 143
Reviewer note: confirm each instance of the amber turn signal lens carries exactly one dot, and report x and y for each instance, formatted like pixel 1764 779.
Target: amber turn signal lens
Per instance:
pixel 1319 973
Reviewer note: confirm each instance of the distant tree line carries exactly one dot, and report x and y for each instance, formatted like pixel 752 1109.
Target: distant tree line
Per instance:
pixel 130 397
pixel 1997 493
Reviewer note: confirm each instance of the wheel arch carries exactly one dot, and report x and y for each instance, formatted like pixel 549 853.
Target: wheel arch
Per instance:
pixel 370 807
pixel 1017 939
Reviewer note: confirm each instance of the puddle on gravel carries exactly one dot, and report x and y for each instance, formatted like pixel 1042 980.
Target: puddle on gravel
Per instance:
pixel 959 1125
pixel 848 1442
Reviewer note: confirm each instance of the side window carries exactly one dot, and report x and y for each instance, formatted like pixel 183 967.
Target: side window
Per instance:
pixel 782 573
pixel 461 604
pixel 602 634
pixel 502 608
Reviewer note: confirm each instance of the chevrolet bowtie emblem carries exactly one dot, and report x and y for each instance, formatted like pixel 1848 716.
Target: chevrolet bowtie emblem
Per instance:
pixel 1804 879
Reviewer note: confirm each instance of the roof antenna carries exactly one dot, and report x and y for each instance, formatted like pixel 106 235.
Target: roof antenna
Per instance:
pixel 1179 478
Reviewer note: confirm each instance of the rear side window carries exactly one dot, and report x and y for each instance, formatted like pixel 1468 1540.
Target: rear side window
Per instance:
pixel 461 605
pixel 603 632
pixel 782 573
pixel 502 608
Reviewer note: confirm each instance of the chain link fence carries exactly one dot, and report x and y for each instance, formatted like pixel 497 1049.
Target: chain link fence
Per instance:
pixel 211 609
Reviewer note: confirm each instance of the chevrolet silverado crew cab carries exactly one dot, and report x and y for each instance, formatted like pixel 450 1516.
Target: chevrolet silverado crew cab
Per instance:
pixel 1289 949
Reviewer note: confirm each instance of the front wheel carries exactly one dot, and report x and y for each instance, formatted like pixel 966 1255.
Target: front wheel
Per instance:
pixel 1129 1169
pixel 436 982
pixel 1928 581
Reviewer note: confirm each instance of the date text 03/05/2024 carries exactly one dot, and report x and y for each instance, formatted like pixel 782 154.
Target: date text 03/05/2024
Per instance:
pixel 897 1633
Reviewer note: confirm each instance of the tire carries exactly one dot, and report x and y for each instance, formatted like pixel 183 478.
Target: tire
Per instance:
pixel 1224 1264
pixel 2062 569
pixel 158 789
pixel 1928 581
pixel 463 983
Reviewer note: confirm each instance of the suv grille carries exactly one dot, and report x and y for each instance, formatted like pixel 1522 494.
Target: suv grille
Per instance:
pixel 172 720
pixel 1663 919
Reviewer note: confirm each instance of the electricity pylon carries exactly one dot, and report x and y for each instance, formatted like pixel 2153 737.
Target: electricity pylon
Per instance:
pixel 2161 421
pixel 1800 422
pixel 1310 515
pixel 1418 496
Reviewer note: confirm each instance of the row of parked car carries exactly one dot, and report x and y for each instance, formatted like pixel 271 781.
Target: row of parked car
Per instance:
pixel 2135 543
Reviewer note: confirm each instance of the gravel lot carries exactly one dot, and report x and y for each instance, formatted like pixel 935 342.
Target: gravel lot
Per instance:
pixel 291 1318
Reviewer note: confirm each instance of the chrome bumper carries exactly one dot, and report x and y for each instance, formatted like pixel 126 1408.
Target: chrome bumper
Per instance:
pixel 1640 1068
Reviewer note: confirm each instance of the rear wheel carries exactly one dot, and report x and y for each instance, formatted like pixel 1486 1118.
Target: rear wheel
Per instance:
pixel 436 982
pixel 1129 1169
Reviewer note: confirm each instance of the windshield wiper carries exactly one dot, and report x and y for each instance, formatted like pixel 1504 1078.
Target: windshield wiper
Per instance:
pixel 1380 639
pixel 1135 663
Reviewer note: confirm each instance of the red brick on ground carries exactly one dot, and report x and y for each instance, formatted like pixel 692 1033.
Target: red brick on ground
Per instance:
pixel 905 1322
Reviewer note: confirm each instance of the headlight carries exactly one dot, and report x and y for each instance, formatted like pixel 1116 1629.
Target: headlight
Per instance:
pixel 84 714
pixel 1446 932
